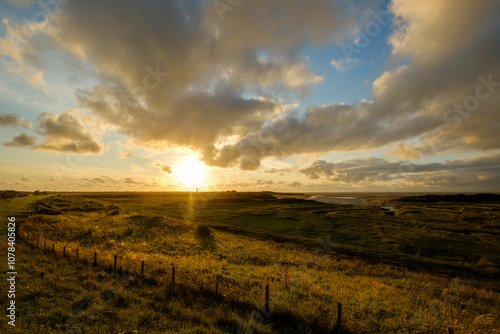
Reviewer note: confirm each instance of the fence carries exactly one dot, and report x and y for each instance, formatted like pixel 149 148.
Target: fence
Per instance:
pixel 101 262
pixel 113 264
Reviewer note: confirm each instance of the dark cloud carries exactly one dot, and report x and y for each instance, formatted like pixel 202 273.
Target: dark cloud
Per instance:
pixel 261 182
pixel 164 168
pixel 451 65
pixel 192 78
pixel 62 132
pixel 65 133
pixel 9 119
pixel 129 180
pixel 480 171
pixel 201 100
pixel 14 120
pixel 23 140
pixel 180 73
pixel 320 129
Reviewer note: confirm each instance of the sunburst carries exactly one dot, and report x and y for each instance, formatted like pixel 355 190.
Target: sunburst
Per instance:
pixel 191 173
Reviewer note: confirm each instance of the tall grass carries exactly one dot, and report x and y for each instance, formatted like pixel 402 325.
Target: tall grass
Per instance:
pixel 377 298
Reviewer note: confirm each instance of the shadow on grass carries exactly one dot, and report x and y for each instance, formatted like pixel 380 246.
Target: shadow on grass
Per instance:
pixel 282 321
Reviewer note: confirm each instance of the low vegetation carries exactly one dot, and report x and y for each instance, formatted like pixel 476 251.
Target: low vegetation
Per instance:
pixel 425 269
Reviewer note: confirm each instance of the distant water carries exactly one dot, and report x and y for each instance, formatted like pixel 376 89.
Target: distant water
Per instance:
pixel 337 200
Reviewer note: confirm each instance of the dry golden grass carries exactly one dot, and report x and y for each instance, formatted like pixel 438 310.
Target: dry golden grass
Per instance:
pixel 305 283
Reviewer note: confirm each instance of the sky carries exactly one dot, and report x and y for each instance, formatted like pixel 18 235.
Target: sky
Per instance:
pixel 275 95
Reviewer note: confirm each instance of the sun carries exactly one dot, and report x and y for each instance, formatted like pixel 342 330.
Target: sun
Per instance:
pixel 191 173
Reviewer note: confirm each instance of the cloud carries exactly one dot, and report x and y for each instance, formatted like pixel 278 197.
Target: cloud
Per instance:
pixel 337 127
pixel 129 180
pixel 14 120
pixel 343 64
pixel 108 182
pixel 446 71
pixel 134 168
pixel 405 151
pixel 261 182
pixel 9 119
pixel 23 140
pixel 221 86
pixel 281 23
pixel 476 172
pixel 126 154
pixel 102 180
pixel 65 133
pixel 20 51
pixel 451 54
pixel 351 171
pixel 163 168
pixel 196 80
pixel 280 171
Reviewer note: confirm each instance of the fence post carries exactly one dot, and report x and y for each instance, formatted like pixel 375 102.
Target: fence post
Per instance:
pixel 53 248
pixel 338 324
pixel 286 277
pixel 173 274
pixel 77 255
pixel 64 251
pixel 267 297
pixel 339 313
pixel 44 244
pixel 142 268
pixel 114 266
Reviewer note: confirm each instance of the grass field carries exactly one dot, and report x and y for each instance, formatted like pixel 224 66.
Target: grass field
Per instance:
pixel 428 267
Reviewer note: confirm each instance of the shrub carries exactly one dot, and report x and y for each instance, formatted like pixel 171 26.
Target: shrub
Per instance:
pixel 203 232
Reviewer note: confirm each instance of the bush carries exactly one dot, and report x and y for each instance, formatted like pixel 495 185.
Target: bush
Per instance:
pixel 203 232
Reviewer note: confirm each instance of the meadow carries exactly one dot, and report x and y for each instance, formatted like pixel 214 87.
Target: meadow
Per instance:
pixel 428 266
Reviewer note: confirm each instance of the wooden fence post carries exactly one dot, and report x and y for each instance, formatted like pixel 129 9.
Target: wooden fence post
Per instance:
pixel 267 297
pixel 142 268
pixel 44 244
pixel 77 255
pixel 114 266
pixel 286 277
pixel 339 313
pixel 217 285
pixel 53 248
pixel 173 274
pixel 338 324
pixel 64 251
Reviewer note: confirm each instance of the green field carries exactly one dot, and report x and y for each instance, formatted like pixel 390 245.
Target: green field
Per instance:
pixel 429 266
